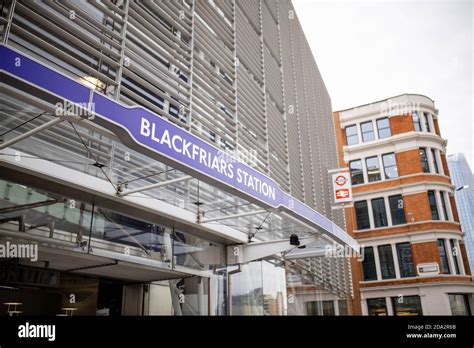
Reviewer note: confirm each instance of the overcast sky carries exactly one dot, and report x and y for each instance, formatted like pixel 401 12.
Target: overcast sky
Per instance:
pixel 372 50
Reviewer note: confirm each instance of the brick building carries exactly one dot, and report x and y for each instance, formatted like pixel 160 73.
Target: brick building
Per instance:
pixel 403 211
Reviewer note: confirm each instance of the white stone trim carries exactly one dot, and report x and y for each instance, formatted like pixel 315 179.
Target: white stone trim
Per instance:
pixel 469 287
pixel 388 211
pixel 377 109
pixel 412 237
pixel 371 215
pixel 460 257
pixel 378 269
pixel 439 206
pixel 405 189
pixel 396 143
pixel 440 162
pixel 429 158
pixel 389 305
pixel 396 261
pixel 448 206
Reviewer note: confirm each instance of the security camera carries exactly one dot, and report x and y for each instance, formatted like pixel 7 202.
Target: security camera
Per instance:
pixel 294 240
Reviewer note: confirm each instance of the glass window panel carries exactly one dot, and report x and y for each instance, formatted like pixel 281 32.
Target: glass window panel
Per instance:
pixel 405 260
pixel 443 256
pixel 390 166
pixel 343 310
pixel 367 131
pixel 459 304
pixel 351 135
pixel 357 174
pixel 433 206
pixel 424 160
pixel 362 215
pixel 328 308
pixel 318 308
pixel 377 307
pixel 380 215
pixel 443 205
pixel 368 264
pixel 387 266
pixel 426 120
pixel 383 128
pixel 373 169
pixel 455 253
pixel 416 121
pixel 435 161
pixel 397 210
pixel 406 306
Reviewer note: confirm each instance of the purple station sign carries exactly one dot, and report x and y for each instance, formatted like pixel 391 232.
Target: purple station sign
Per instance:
pixel 153 135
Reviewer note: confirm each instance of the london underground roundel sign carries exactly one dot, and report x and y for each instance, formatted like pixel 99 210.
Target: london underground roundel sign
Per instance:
pixel 340 180
pixel 342 187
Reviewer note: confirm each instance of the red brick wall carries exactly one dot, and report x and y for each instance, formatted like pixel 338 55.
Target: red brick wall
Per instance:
pixel 445 164
pixel 417 204
pixel 408 162
pixel 398 182
pixel 350 220
pixel 465 260
pixel 404 229
pixel 454 208
pixel 356 267
pixel 436 126
pixel 401 124
pixel 340 138
pixel 426 252
pixel 420 280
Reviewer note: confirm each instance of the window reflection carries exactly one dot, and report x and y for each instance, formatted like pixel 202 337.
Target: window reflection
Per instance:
pixel 407 306
pixel 390 165
pixel 367 129
pixel 357 174
pixel 373 169
pixel 377 307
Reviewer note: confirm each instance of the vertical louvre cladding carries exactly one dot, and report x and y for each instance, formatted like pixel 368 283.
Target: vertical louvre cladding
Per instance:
pixel 252 123
pixel 313 104
pixel 157 67
pixel 214 108
pixel 289 91
pixel 302 110
pixel 238 74
pixel 270 29
pixel 325 158
pixel 278 160
pixel 251 9
pixel 83 40
pixel 5 10
pixel 248 43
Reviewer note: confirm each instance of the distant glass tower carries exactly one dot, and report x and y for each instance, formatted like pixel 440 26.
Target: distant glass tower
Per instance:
pixel 463 180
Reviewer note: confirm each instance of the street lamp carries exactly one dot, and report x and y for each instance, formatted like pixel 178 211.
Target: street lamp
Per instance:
pixel 462 187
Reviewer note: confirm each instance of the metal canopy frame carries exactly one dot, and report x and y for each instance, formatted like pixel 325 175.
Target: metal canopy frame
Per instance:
pixel 237 211
pixel 157 185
